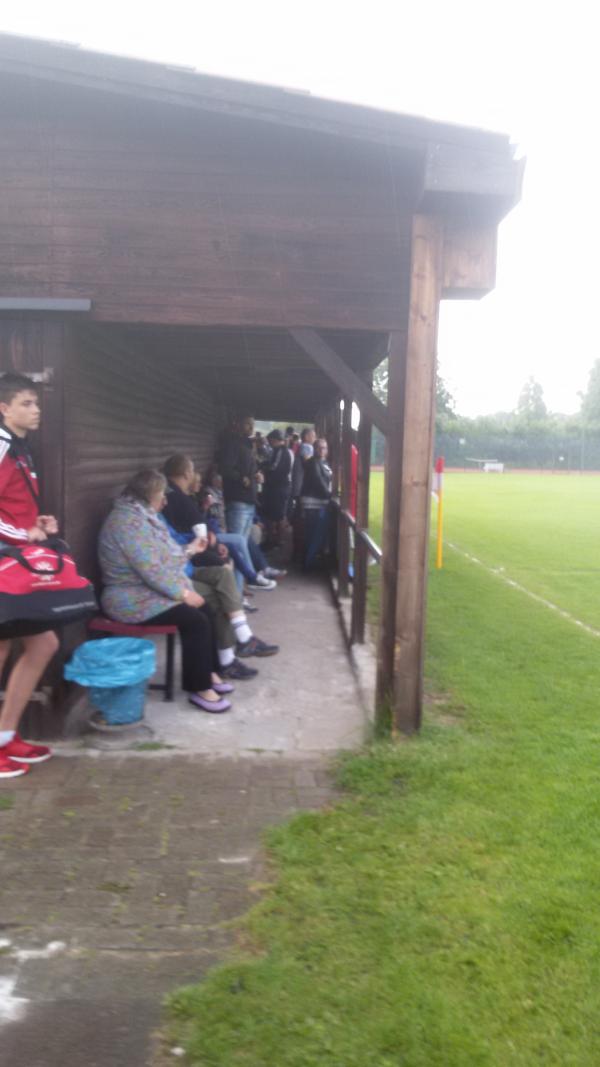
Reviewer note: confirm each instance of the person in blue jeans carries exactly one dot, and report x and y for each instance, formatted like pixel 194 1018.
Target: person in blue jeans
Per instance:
pixel 250 562
pixel 241 476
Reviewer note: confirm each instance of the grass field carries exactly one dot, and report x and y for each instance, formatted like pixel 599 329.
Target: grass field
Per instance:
pixel 543 530
pixel 445 914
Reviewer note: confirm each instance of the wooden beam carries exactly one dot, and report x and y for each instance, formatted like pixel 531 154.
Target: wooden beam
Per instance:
pixel 469 264
pixel 415 472
pixel 342 375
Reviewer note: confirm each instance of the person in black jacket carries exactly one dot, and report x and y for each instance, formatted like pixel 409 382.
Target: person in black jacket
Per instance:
pixel 241 476
pixel 314 501
pixel 278 484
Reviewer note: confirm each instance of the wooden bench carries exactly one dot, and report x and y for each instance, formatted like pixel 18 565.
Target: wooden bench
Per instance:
pixel 100 624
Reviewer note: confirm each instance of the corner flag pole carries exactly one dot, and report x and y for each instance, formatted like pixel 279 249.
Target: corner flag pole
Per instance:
pixel 439 485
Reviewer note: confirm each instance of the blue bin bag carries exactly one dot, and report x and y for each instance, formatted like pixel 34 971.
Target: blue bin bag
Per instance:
pixel 120 704
pixel 112 662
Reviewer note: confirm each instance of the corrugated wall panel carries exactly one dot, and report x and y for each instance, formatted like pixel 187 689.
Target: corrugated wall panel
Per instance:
pixel 125 408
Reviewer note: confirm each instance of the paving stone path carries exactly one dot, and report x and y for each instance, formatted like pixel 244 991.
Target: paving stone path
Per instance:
pixel 119 875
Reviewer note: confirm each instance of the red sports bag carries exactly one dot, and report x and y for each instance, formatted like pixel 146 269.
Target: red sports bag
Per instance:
pixel 39 582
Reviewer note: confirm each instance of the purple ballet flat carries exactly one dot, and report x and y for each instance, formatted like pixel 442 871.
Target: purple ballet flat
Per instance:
pixel 215 707
pixel 223 687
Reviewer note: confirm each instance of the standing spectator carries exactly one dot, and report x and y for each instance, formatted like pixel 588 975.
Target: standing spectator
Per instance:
pixel 241 476
pixel 261 448
pixel 305 451
pixel 278 475
pixel 316 494
pixel 21 524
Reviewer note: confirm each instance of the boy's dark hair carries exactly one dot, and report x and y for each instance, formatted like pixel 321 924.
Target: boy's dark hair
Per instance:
pixel 177 465
pixel 11 384
pixel 305 432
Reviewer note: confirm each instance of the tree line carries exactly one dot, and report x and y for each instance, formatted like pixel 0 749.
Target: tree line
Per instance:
pixel 529 436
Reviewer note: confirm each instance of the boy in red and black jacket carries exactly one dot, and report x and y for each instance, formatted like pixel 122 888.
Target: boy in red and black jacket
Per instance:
pixel 21 524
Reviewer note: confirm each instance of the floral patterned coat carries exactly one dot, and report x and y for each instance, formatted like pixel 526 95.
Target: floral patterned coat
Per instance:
pixel 142 566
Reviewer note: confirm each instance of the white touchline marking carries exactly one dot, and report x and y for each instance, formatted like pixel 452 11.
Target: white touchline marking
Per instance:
pixel 51 949
pixel 11 1008
pixel 498 572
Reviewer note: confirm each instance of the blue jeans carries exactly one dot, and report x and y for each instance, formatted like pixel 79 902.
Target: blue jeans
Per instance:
pixel 239 517
pixel 239 551
pixel 259 560
pixel 316 532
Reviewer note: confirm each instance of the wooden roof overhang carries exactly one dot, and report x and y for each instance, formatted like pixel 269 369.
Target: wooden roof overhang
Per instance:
pixel 469 178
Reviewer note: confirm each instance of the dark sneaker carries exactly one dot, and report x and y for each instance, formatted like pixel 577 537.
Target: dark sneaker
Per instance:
pixel 256 647
pixel 238 672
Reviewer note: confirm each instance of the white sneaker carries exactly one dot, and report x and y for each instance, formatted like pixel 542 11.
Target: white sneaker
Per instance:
pixel 262 583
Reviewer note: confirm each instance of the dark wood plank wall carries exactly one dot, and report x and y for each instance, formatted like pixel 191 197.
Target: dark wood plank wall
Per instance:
pixel 124 409
pixel 162 215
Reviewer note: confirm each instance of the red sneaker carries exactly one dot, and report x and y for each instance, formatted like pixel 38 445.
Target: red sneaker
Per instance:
pixel 8 767
pixel 22 752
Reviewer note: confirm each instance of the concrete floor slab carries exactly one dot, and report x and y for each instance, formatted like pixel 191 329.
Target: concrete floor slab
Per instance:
pixel 304 700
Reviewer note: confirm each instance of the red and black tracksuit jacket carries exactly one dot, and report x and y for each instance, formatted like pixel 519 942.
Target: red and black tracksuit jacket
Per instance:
pixel 18 489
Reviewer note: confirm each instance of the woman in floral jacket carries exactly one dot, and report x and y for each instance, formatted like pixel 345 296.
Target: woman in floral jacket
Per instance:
pixel 145 583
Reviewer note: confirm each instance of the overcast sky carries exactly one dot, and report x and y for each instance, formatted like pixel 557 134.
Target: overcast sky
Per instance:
pixel 527 68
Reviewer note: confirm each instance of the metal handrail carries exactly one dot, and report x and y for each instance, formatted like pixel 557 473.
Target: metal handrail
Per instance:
pixel 361 535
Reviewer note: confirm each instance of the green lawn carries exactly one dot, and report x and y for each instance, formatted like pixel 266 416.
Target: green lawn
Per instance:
pixel 446 912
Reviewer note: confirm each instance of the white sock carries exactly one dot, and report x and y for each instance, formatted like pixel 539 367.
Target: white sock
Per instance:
pixel 226 656
pixel 242 630
pixel 6 737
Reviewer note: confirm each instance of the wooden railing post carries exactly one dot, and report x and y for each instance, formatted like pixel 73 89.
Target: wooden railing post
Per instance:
pixel 361 555
pixel 343 529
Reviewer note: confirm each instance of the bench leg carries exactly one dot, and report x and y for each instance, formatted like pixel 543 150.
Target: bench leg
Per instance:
pixel 170 668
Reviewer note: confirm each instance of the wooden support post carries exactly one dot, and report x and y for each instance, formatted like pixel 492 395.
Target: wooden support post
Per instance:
pixel 391 513
pixel 361 555
pixel 411 400
pixel 333 440
pixel 343 528
pixel 412 396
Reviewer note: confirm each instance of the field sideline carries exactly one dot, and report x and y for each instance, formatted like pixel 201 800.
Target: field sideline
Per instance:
pixel 542 532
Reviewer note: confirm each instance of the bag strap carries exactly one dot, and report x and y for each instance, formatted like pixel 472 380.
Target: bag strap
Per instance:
pixel 16 552
pixel 19 465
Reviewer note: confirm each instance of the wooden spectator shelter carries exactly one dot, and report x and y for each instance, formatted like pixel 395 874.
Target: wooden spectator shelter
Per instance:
pixel 174 246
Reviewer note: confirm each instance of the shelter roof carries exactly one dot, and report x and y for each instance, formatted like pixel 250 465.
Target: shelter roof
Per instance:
pixel 68 64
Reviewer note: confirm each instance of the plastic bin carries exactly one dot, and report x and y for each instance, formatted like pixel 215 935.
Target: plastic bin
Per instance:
pixel 116 670
pixel 120 704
